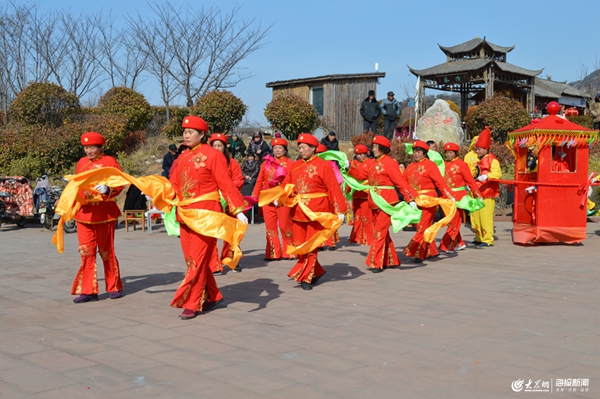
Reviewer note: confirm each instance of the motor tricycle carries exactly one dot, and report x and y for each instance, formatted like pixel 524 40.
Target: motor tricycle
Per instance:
pixel 45 198
pixel 15 200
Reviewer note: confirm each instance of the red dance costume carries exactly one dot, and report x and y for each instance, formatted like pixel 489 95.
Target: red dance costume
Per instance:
pixel 458 176
pixel 200 171
pixel 275 216
pixel 424 176
pixel 362 231
pixel 385 172
pixel 96 223
pixel 316 178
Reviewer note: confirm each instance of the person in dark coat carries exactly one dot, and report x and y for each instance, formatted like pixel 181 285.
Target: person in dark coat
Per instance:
pixel 250 169
pixel 370 111
pixel 258 147
pixel 168 160
pixel 236 146
pixel 390 108
pixel 331 142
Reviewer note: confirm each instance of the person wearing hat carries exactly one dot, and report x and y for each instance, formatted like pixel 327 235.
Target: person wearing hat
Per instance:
pixel 219 142
pixel 316 191
pixel 362 230
pixel 459 177
pixel 424 176
pixel 277 218
pixel 258 147
pixel 96 223
pixel 236 146
pixel 471 157
pixel 198 175
pixel 488 170
pixel 331 142
pixel 168 160
pixel 384 176
pixel 390 108
pixel 370 111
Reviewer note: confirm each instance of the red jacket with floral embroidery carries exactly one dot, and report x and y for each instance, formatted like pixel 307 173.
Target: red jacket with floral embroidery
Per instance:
pixel 424 176
pixel 458 174
pixel 202 170
pixel 98 208
pixel 360 171
pixel 266 174
pixel 385 172
pixel 315 176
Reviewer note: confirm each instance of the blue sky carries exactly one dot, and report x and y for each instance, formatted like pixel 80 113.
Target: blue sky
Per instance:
pixel 311 38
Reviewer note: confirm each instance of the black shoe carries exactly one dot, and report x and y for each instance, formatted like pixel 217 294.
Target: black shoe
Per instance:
pixel 418 260
pixel 217 273
pixel 237 269
pixel 314 280
pixel 376 270
pixel 209 305
pixel 332 248
pixel 321 249
pixel 475 242
pixel 305 286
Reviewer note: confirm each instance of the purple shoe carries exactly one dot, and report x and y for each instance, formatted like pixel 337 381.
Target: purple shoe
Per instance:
pixel 86 298
pixel 116 294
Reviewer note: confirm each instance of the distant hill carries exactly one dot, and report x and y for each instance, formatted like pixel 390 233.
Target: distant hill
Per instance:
pixel 590 81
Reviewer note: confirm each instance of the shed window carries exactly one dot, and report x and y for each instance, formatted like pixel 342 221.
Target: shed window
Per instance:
pixel 316 99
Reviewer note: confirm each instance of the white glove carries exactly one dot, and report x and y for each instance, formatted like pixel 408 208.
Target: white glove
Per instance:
pixel 482 178
pixel 413 204
pixel 347 164
pixel 590 192
pixel 275 203
pixel 342 217
pixel 242 218
pixel 531 189
pixel 102 188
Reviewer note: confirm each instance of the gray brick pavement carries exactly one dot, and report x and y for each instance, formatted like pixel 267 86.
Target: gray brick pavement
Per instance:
pixel 459 326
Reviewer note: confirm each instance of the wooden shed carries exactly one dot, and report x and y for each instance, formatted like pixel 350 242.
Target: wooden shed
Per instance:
pixel 337 98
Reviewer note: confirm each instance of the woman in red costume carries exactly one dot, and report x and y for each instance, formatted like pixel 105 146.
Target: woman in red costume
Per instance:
pixel 200 173
pixel 458 176
pixel 316 186
pixel 219 142
pixel 424 176
pixel 362 230
pixel 272 172
pixel 331 242
pixel 96 223
pixel 384 177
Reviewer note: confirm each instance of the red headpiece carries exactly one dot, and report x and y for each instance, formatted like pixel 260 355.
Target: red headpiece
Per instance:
pixel 218 136
pixel 382 141
pixel 279 141
pixel 194 122
pixel 485 138
pixel 361 149
pixel 309 139
pixel 92 138
pixel 451 147
pixel 420 144
pixel 321 148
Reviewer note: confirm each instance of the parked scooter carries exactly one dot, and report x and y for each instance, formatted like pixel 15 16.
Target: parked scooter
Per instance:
pixel 45 198
pixel 9 209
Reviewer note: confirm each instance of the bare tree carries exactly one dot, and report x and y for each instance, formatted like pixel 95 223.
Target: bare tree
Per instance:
pixel 589 82
pixel 204 46
pixel 124 59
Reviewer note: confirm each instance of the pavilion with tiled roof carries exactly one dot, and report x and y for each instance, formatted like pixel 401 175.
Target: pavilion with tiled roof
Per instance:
pixel 477 69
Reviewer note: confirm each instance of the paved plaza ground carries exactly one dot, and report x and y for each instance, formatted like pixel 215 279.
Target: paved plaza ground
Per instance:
pixel 458 326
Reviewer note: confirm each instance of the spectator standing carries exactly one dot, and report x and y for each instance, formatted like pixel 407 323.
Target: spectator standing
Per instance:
pixel 370 111
pixel 168 160
pixel 258 147
pixel 331 142
pixel 390 108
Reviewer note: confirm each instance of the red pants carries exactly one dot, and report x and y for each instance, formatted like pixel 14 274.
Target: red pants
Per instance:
pixel 277 217
pixel 362 231
pixel 382 253
pixel 452 238
pixel 198 285
pixel 100 237
pixel 216 264
pixel 308 266
pixel 417 247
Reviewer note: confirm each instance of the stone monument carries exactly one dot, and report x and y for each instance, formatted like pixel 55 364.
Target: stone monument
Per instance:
pixel 440 123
